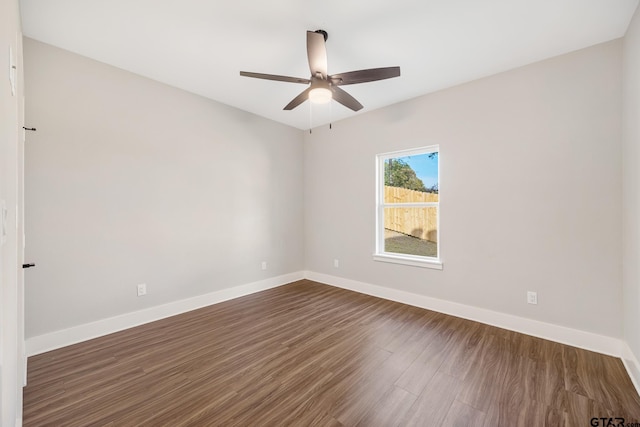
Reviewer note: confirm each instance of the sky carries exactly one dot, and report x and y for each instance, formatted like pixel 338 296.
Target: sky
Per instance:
pixel 426 169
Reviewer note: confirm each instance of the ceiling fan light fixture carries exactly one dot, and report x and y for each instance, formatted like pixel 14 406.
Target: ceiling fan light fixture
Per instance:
pixel 320 95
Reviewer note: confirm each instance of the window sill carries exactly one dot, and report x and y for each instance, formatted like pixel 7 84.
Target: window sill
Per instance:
pixel 415 262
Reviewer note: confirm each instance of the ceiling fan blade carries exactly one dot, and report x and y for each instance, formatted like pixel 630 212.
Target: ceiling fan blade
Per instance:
pixel 317 54
pixel 304 95
pixel 345 99
pixel 363 76
pixel 275 77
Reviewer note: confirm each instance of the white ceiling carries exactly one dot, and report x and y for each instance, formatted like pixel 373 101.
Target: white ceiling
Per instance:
pixel 201 45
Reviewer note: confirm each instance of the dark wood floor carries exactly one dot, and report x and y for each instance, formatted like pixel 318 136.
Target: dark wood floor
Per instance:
pixel 309 354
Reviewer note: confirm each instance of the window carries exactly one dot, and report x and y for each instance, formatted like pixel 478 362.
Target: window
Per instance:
pixel 408 207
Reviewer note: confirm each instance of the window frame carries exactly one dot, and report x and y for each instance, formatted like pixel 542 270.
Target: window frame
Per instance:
pixel 394 257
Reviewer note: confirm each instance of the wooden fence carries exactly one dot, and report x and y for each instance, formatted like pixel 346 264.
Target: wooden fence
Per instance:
pixel 417 222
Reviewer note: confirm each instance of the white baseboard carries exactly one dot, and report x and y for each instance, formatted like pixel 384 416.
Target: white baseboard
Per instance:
pixel 574 337
pixel 76 334
pixel 632 365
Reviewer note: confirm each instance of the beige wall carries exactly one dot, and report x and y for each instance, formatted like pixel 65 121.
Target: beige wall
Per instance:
pixel 542 140
pixel 131 181
pixel 631 190
pixel 11 152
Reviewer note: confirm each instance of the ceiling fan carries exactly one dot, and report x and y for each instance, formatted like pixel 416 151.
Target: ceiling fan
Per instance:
pixel 322 86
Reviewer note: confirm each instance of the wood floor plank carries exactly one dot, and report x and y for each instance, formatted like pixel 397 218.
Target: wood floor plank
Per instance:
pixel 550 381
pixel 308 354
pixel 581 409
pixel 462 415
pixel 417 375
pixel 440 347
pixel 432 406
pixel 483 386
pixel 461 361
pixel 389 409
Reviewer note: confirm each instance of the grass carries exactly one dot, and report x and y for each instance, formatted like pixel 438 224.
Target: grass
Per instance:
pixel 401 243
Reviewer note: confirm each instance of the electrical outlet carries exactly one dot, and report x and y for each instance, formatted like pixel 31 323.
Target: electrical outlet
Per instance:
pixel 264 265
pixel 532 297
pixel 336 263
pixel 142 289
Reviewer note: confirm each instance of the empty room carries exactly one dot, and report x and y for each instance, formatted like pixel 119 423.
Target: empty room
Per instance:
pixel 353 213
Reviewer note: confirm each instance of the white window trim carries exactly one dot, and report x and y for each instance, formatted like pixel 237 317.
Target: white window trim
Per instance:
pixel 393 257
